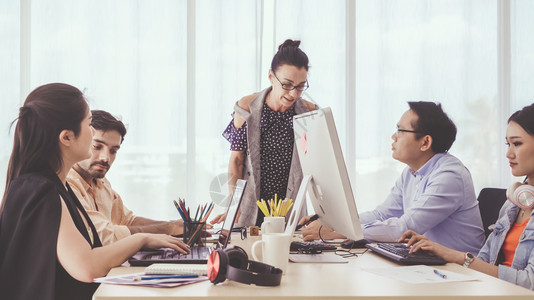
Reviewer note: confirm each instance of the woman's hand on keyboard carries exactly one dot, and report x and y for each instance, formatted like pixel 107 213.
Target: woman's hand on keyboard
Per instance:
pixel 155 241
pixel 410 237
pixel 420 242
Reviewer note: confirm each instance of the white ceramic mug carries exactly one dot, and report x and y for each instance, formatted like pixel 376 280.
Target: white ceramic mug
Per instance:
pixel 273 225
pixel 274 249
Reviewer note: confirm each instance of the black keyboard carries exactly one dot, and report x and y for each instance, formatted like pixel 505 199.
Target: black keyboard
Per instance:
pixel 399 253
pixel 311 246
pixel 198 255
pixel 195 253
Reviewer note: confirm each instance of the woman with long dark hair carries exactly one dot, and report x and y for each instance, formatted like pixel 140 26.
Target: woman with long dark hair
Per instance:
pixel 49 248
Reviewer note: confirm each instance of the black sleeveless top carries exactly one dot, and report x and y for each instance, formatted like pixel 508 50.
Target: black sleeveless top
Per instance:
pixel 29 225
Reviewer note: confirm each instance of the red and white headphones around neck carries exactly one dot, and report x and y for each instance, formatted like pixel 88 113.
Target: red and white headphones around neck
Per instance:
pixel 521 195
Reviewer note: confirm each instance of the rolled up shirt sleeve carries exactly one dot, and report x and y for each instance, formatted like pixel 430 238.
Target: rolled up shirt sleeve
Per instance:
pixel 236 136
pixel 108 232
pixel 122 213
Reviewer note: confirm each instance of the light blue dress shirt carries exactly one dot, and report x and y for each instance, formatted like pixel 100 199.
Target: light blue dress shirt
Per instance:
pixel 522 270
pixel 438 200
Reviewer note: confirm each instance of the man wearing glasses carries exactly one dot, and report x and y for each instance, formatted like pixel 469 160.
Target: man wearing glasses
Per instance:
pixel 434 194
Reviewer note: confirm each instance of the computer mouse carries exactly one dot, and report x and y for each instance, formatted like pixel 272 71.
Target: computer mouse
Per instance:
pixel 351 244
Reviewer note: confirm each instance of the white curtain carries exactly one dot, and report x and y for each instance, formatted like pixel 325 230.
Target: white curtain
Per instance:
pixel 9 79
pixel 444 51
pixel 131 59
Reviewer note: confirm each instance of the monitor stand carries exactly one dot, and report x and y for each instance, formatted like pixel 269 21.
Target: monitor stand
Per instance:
pixel 307 187
pixel 293 219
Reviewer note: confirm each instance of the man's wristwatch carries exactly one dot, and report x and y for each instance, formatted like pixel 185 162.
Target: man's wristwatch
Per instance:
pixel 469 258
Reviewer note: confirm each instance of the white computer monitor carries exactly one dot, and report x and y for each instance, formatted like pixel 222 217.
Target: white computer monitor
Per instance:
pixel 326 181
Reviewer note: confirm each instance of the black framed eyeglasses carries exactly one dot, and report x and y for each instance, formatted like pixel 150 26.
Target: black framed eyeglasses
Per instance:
pixel 290 87
pixel 405 130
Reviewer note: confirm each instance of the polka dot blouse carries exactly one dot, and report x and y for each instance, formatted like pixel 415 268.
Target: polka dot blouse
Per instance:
pixel 276 150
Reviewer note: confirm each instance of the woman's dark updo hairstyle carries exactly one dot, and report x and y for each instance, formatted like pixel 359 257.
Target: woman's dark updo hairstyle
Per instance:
pixel 525 118
pixel 289 53
pixel 48 110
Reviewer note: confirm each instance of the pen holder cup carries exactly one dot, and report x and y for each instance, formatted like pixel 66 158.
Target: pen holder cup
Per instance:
pixel 195 233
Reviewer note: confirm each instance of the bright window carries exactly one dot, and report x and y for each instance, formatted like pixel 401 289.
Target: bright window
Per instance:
pixel 132 58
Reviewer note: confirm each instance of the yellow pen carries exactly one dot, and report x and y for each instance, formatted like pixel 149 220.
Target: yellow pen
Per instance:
pixel 263 208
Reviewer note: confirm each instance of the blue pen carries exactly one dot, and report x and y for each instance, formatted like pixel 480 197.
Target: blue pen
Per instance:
pixel 207 211
pixel 179 210
pixel 440 274
pixel 166 276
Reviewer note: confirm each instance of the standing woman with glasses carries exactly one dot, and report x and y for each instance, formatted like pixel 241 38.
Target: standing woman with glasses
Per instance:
pixel 261 135
pixel 49 248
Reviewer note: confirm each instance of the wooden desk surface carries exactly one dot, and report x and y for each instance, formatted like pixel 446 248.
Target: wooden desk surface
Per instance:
pixel 327 281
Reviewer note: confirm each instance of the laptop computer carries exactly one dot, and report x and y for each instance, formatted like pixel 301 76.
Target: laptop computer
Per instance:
pixel 198 255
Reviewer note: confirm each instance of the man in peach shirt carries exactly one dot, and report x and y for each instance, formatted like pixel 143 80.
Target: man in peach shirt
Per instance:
pixel 113 221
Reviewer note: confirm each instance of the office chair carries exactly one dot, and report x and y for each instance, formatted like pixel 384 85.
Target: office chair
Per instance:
pixel 490 201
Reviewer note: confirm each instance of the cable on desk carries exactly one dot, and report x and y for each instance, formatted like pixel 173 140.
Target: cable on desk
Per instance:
pixel 341 252
pixel 347 253
pixel 320 237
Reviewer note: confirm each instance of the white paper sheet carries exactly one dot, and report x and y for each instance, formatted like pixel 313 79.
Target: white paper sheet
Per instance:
pixel 130 279
pixel 419 274
pixel 316 258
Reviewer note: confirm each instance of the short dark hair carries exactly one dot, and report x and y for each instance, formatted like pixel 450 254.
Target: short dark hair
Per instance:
pixel 289 53
pixel 434 121
pixel 525 118
pixel 102 120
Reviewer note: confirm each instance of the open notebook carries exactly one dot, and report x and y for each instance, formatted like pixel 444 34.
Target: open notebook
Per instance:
pixel 176 269
pixel 198 255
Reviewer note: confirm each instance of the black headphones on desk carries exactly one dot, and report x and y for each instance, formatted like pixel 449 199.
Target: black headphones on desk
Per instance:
pixel 233 263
